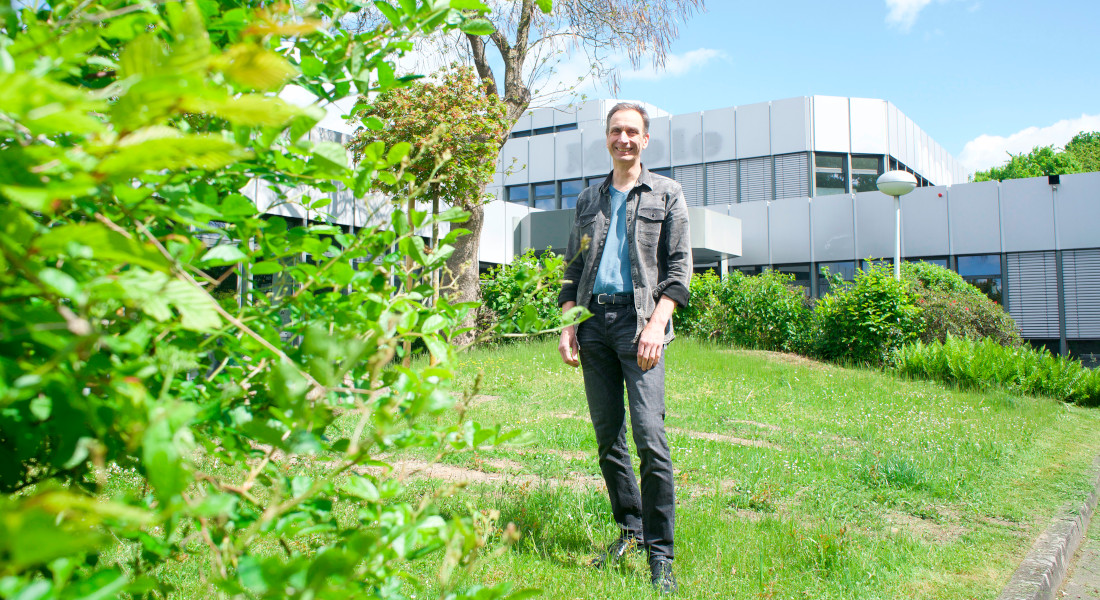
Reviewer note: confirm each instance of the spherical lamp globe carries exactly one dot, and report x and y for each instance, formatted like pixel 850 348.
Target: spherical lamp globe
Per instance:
pixel 896 183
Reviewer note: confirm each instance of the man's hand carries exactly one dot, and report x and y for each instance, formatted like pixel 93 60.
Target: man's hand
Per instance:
pixel 568 347
pixel 651 344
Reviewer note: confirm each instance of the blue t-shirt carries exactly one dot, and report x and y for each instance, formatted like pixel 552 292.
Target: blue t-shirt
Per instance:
pixel 613 274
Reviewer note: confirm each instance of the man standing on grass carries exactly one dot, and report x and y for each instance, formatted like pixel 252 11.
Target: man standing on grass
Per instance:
pixel 631 273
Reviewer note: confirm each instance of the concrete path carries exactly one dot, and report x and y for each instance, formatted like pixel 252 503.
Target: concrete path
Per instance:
pixel 1083 578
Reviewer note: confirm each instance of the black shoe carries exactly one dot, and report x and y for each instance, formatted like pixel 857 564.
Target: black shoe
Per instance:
pixel 660 575
pixel 616 552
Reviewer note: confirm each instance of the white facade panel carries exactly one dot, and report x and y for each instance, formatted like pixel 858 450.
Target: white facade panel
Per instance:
pixel 874 219
pixel 540 156
pixel 911 134
pixel 789 230
pixel 973 212
pixel 833 228
pixel 565 115
pixel 523 123
pixel 923 222
pixel 893 131
pixel 1077 203
pixel 514 161
pixel 719 142
pixel 832 130
pixel 659 152
pixel 596 159
pixel 754 238
pixel 868 126
pixel 568 150
pixel 790 125
pixel 753 130
pixel 687 139
pixel 496 230
pixel 542 117
pixel 1027 214
pixel 591 111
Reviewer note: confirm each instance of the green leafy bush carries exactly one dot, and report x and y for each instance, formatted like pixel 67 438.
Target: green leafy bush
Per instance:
pixel 951 305
pixel 521 297
pixel 149 429
pixel 864 322
pixel 763 311
pixel 983 364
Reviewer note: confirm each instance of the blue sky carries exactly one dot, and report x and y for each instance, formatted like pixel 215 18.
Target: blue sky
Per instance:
pixel 980 76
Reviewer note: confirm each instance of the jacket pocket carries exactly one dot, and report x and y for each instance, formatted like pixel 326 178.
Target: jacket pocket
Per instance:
pixel 648 225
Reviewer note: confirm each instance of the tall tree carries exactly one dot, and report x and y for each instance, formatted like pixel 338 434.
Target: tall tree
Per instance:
pixel 1081 155
pixel 1085 147
pixel 529 37
pixel 454 128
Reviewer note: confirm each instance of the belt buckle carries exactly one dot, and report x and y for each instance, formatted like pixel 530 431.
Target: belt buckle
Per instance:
pixel 600 299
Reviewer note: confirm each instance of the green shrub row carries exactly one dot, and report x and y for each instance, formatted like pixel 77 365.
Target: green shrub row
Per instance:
pixel 983 364
pixel 522 296
pixel 764 312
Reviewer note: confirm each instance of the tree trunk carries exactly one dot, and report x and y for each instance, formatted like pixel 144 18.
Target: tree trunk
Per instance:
pixel 461 279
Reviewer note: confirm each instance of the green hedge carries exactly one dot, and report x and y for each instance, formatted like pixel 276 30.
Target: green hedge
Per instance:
pixel 764 312
pixel 983 364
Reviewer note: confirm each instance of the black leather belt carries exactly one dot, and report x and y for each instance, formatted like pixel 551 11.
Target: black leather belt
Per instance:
pixel 614 298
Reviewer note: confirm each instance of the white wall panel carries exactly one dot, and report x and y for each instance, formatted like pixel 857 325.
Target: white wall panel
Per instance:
pixel 893 130
pixel 568 150
pixel 789 230
pixel 687 139
pixel 754 233
pixel 874 220
pixel 911 134
pixel 974 215
pixel 1077 203
pixel 832 130
pixel 790 125
pixel 495 233
pixel 540 155
pixel 565 115
pixel 591 111
pixel 659 152
pixel 542 117
pixel 834 236
pixel 514 160
pixel 923 222
pixel 868 126
pixel 719 142
pixel 1027 214
pixel 596 159
pixel 753 130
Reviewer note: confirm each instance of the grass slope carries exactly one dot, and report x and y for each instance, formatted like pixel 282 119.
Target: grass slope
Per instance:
pixel 795 479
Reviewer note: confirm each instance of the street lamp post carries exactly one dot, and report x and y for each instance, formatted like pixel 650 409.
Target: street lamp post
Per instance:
pixel 897 184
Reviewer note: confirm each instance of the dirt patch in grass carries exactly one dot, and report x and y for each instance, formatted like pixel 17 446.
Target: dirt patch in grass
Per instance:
pixel 790 359
pixel 480 399
pixel 721 437
pixel 510 474
pixel 942 531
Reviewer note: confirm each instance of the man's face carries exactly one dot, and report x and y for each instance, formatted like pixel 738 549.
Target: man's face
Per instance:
pixel 626 137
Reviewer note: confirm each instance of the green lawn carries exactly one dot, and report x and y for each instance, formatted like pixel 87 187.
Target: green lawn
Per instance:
pixel 796 479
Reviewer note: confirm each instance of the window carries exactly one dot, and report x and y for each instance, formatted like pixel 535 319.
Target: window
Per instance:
pixel 830 174
pixel 521 134
pixel 596 180
pixel 517 194
pixel 545 196
pixel 566 127
pixel 983 272
pixel 543 131
pixel 570 189
pixel 748 271
pixel 846 269
pixel 865 172
pixel 664 171
pixel 930 260
pixel 867 263
pixel 801 275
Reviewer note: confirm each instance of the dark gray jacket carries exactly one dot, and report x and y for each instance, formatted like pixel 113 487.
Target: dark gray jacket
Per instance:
pixel 659 238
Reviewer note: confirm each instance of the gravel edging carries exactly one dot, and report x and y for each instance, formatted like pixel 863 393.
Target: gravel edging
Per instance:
pixel 1044 568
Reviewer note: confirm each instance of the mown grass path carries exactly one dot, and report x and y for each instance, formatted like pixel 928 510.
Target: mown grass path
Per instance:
pixel 796 479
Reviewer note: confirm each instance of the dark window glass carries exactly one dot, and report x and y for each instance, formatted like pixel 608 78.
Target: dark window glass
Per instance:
pixel 543 130
pixel 520 134
pixel 845 268
pixel 984 264
pixel 570 189
pixel 567 127
pixel 866 264
pixel 990 286
pixel 749 270
pixel 545 196
pixel 664 171
pixel 801 275
pixel 866 163
pixel 595 181
pixel 932 261
pixel 830 174
pixel 517 194
pixel 865 172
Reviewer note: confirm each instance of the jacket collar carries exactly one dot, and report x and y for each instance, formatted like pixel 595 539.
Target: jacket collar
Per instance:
pixel 644 178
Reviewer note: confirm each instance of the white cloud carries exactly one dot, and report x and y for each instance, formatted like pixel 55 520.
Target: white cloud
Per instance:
pixel 987 151
pixel 675 65
pixel 903 13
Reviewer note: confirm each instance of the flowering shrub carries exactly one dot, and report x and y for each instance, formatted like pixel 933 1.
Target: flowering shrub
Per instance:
pixel 952 306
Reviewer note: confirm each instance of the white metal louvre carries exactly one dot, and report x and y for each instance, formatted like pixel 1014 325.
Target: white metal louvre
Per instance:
pixel 691 179
pixel 756 179
pixel 722 182
pixel 792 175
pixel 1033 293
pixel 1081 279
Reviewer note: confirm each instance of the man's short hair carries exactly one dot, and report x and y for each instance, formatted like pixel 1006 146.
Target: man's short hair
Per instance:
pixel 627 106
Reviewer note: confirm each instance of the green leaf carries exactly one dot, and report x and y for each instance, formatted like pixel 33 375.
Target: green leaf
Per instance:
pixel 439 349
pixel 361 487
pixel 469 5
pixel 267 267
pixel 223 254
pixel 434 323
pixel 311 67
pixel 250 110
pixel 333 153
pixel 398 152
pixel 105 244
pixel 546 6
pixel 255 67
pixel 197 309
pixel 477 27
pixel 206 152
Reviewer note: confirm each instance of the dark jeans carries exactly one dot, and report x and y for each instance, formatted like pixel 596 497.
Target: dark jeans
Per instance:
pixel 610 361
